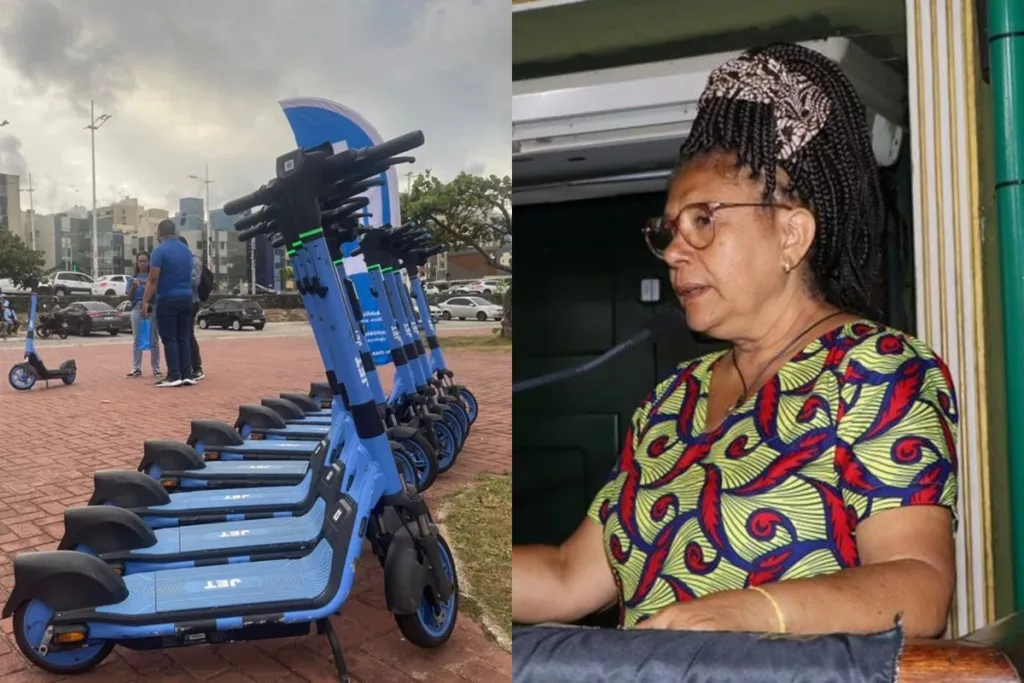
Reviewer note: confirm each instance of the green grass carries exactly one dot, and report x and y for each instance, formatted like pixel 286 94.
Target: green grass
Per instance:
pixel 477 342
pixel 479 524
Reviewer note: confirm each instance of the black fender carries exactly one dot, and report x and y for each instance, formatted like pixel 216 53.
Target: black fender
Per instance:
pixel 105 529
pixel 127 489
pixel 258 417
pixel 438 408
pixel 214 433
pixel 405 577
pixel 286 409
pixel 169 456
pixel 304 402
pixel 445 399
pixel 321 391
pixel 65 580
pixel 401 432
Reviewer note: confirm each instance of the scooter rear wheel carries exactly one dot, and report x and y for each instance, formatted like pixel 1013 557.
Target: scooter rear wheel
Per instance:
pixel 30 622
pixel 22 376
pixel 70 377
pixel 432 624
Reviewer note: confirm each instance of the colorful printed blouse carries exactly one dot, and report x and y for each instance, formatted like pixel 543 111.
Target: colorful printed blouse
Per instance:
pixel 862 420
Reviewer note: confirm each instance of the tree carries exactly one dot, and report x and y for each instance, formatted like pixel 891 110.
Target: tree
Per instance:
pixel 17 261
pixel 469 212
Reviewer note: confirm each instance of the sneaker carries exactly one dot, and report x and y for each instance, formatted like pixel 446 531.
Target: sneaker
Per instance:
pixel 157 373
pixel 169 383
pixel 134 373
pixel 198 375
pixel 188 381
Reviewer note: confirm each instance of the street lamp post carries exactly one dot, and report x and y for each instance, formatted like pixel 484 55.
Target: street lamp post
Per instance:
pixel 205 180
pixel 97 122
pixel 31 213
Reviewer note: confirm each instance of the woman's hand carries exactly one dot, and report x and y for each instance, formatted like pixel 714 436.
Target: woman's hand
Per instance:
pixel 741 610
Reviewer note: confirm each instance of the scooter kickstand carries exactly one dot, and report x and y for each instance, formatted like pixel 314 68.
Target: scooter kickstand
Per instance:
pixel 324 627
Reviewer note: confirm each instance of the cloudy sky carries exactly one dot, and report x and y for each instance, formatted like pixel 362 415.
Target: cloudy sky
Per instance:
pixel 192 82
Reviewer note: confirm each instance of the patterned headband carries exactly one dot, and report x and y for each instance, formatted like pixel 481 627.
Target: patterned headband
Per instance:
pixel 800 107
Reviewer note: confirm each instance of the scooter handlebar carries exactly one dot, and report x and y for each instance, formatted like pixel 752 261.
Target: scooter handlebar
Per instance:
pixel 260 196
pixel 341 163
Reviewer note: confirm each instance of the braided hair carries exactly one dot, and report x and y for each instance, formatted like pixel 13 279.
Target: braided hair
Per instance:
pixel 833 173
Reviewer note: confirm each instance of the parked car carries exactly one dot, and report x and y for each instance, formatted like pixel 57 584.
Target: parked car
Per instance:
pixel 485 287
pixel 463 307
pixel 7 287
pixel 112 285
pixel 86 317
pixel 67 282
pixel 233 313
pixel 125 309
pixel 431 288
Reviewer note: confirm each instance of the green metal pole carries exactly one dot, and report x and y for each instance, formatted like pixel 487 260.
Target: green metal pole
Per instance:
pixel 1006 48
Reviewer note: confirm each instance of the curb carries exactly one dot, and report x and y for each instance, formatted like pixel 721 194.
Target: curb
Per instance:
pixel 486 621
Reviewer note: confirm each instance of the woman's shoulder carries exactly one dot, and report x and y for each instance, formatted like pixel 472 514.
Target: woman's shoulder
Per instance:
pixel 876 343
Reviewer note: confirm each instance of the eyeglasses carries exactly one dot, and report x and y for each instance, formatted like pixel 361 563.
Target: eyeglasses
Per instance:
pixel 695 223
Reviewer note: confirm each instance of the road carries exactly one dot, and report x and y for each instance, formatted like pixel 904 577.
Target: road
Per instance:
pixel 288 329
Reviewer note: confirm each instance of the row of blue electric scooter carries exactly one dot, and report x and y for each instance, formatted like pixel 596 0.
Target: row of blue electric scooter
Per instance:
pixel 253 530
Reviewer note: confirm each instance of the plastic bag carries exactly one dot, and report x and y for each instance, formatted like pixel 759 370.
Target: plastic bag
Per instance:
pixel 145 335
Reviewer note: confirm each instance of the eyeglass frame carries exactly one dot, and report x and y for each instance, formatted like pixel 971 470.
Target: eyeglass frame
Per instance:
pixel 711 209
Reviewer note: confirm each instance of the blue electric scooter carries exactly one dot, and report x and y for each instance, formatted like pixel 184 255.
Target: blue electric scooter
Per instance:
pixel 122 538
pixel 71 608
pixel 196 464
pixel 24 375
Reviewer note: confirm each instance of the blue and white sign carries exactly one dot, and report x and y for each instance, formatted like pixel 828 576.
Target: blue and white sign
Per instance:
pixel 314 121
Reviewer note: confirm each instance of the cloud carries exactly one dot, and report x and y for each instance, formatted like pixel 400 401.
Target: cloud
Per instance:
pixel 12 161
pixel 194 82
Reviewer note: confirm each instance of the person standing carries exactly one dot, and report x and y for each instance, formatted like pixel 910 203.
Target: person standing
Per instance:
pixel 170 282
pixel 135 291
pixel 197 273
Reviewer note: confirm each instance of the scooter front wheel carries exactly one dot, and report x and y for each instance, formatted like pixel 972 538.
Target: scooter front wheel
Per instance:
pixel 433 623
pixel 423 459
pixel 30 622
pixel 458 409
pixel 471 405
pixel 449 451
pixel 22 376
pixel 453 424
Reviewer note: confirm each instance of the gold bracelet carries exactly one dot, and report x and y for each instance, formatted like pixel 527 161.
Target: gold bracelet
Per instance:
pixel 775 606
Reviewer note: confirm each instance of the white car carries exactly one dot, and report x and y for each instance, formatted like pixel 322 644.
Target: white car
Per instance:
pixel 430 288
pixel 463 307
pixel 486 287
pixel 69 282
pixel 7 287
pixel 112 285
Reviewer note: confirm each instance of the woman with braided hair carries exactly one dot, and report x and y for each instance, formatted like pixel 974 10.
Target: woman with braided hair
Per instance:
pixel 803 480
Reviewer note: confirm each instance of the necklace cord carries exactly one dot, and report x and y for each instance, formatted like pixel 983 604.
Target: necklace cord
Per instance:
pixel 744 396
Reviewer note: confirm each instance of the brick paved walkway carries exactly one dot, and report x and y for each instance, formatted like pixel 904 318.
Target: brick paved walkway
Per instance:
pixel 63 434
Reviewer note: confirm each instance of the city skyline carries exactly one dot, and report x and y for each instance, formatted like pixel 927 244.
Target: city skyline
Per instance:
pixel 178 79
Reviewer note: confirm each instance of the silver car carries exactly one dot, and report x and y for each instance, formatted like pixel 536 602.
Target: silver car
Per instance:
pixel 463 307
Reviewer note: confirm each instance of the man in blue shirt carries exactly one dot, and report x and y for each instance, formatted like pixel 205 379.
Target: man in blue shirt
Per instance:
pixel 170 281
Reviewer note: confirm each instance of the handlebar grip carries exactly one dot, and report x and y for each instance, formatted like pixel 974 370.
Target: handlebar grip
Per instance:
pixel 389 148
pixel 249 233
pixel 260 196
pixel 254 218
pixel 277 242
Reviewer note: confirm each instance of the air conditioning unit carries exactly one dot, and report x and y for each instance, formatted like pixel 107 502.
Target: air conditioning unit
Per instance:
pixel 617 131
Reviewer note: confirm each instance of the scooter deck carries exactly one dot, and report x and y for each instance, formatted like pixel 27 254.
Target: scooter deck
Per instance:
pixel 194 502
pixel 152 594
pixel 232 538
pixel 266 449
pixel 259 471
pixel 301 430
